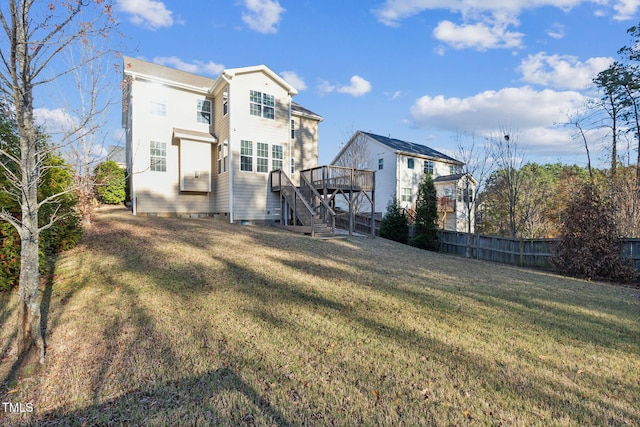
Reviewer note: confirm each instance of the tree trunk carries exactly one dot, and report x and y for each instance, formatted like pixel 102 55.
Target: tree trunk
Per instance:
pixel 29 328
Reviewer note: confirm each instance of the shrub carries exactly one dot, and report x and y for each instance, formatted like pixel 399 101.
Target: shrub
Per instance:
pixel 426 234
pixel 589 245
pixel 394 225
pixel 110 182
pixel 62 235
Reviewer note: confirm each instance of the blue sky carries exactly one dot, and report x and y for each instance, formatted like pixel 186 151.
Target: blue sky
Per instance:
pixel 418 70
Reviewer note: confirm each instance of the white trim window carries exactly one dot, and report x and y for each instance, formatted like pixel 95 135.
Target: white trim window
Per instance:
pixel 293 165
pixel 158 156
pixel 262 160
pixel 223 157
pixel 428 167
pixel 406 195
pixel 410 163
pixel 277 155
pixel 225 101
pixel 380 164
pixel 293 129
pixel 262 105
pixel 158 107
pixel 203 108
pixel 246 156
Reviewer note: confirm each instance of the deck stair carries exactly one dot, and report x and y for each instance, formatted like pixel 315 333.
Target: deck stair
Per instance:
pixel 308 207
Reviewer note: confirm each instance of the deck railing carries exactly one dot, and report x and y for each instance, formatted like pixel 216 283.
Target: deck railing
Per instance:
pixel 301 208
pixel 339 177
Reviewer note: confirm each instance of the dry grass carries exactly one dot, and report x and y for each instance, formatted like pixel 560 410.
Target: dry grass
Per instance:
pixel 196 322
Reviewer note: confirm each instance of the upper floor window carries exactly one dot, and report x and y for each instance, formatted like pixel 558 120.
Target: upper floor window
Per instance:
pixel 262 104
pixel 293 129
pixel 225 101
pixel 410 163
pixel 380 164
pixel 428 167
pixel 453 170
pixel 158 108
pixel 406 195
pixel 158 156
pixel 246 156
pixel 204 111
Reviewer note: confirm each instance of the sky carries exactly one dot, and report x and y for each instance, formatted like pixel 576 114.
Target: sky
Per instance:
pixel 426 71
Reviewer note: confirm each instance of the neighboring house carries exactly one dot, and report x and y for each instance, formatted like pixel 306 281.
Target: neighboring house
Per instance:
pixel 118 154
pixel 202 146
pixel 400 167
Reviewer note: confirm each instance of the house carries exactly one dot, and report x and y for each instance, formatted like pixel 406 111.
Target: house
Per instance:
pixel 400 167
pixel 200 146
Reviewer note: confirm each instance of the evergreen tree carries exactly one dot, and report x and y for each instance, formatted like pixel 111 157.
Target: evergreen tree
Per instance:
pixel 394 225
pixel 426 232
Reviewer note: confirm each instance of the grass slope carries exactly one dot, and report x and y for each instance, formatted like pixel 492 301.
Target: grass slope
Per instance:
pixel 196 322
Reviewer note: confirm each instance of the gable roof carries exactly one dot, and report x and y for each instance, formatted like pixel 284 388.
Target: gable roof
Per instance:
pixel 229 73
pixel 160 72
pixel 410 147
pixel 301 111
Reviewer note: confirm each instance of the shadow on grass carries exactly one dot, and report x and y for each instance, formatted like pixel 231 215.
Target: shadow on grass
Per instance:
pixel 171 403
pixel 188 401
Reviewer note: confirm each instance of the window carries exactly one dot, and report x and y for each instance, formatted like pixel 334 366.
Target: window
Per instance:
pixel 380 164
pixel 262 104
pixel 406 195
pixel 453 170
pixel 204 111
pixel 293 129
pixel 293 165
pixel 158 108
pixel 276 157
pixel 459 194
pixel 158 156
pixel 225 101
pixel 410 163
pixel 262 162
pixel 428 167
pixel 222 157
pixel 246 156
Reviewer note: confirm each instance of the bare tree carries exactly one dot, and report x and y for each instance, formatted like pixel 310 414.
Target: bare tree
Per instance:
pixel 508 157
pixel 355 155
pixel 477 165
pixel 35 34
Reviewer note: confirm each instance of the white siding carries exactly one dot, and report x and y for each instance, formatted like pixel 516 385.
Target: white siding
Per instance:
pixel 252 196
pixel 159 192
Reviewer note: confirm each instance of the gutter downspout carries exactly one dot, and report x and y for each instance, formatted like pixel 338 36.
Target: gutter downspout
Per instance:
pixel 289 132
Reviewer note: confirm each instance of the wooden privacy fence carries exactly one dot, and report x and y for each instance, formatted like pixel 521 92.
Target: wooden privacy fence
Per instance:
pixel 522 252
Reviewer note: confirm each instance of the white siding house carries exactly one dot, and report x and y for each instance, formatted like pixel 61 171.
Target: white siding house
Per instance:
pixel 202 146
pixel 400 167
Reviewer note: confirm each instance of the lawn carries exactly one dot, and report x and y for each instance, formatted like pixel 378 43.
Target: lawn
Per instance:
pixel 164 321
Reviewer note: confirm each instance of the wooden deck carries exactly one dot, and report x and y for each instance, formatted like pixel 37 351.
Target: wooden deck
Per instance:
pixel 332 178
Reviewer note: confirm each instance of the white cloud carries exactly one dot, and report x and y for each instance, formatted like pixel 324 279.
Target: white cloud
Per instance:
pixel 196 67
pixel 533 113
pixel 626 9
pixel 57 121
pixel 480 36
pixel 556 31
pixel 326 87
pixel 561 71
pixel 358 87
pixel 263 15
pixel 294 80
pixel 488 24
pixel 147 13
